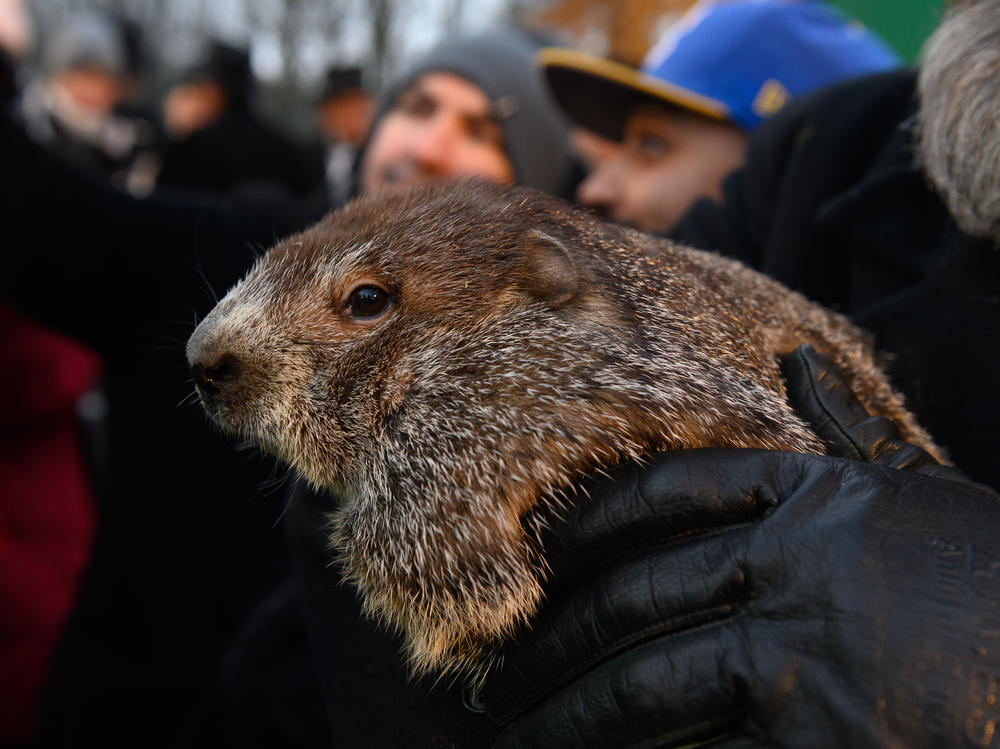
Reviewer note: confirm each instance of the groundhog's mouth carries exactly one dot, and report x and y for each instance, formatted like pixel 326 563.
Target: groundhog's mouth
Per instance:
pixel 221 413
pixel 228 413
pixel 251 432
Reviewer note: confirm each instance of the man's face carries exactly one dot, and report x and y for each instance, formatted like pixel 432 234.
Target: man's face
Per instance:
pixel 346 116
pixel 192 106
pixel 441 126
pixel 82 99
pixel 668 160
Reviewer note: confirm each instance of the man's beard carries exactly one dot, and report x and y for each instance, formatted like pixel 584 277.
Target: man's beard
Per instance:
pixel 959 88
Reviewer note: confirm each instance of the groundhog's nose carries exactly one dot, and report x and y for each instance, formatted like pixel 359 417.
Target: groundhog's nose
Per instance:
pixel 215 367
pixel 213 376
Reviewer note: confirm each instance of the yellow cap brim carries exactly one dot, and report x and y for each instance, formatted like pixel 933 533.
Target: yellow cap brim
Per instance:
pixel 598 94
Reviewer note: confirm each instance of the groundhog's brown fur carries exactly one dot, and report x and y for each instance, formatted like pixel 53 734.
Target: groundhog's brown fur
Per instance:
pixel 525 344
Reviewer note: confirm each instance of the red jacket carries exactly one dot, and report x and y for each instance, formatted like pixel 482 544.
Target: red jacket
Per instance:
pixel 47 512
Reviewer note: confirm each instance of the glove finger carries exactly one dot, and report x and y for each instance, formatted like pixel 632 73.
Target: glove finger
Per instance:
pixel 675 690
pixel 821 396
pixel 679 495
pixel 641 598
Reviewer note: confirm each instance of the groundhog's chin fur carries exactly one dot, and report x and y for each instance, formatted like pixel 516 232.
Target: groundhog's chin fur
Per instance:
pixel 521 345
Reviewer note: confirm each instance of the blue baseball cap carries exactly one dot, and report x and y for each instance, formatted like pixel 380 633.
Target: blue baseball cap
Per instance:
pixel 733 60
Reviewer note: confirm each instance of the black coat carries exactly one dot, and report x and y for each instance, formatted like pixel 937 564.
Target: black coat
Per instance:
pixel 832 203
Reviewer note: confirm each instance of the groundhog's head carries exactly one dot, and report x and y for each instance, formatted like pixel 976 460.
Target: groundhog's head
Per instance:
pixel 315 352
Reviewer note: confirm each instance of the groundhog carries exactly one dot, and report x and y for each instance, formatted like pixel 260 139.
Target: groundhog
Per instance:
pixel 449 361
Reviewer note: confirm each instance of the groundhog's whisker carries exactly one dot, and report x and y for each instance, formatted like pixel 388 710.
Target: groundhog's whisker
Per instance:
pixel 286 505
pixel 172 346
pixel 195 265
pixel 271 485
pixel 188 399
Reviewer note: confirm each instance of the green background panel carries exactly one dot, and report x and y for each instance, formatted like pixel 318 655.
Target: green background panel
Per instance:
pixel 905 24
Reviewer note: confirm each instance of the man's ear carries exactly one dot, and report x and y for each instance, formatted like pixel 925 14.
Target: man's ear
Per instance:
pixel 550 273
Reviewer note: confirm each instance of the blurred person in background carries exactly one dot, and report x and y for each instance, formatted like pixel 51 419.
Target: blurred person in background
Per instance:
pixel 684 117
pixel 343 114
pixel 73 106
pixel 217 141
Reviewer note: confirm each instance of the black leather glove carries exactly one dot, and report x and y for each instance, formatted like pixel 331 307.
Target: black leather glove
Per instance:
pixel 757 598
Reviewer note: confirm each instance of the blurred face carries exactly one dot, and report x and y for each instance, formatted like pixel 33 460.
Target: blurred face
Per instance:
pixel 668 159
pixel 441 126
pixel 346 117
pixel 82 100
pixel 192 106
pixel 91 89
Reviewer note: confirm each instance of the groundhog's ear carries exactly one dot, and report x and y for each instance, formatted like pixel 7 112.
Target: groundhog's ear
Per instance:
pixel 550 273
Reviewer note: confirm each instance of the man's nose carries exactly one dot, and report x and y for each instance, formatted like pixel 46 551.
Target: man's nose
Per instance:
pixel 601 188
pixel 434 146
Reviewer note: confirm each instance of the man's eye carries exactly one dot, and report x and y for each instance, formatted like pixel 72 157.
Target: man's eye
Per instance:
pixel 367 302
pixel 652 145
pixel 415 104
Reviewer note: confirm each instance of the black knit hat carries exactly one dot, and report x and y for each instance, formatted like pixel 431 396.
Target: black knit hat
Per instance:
pixel 229 67
pixel 338 80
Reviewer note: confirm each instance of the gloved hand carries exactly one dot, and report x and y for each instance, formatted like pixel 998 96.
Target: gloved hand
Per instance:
pixel 761 598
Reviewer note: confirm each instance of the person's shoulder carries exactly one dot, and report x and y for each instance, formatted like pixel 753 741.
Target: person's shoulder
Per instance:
pixel 831 136
pixel 892 90
pixel 815 148
pixel 862 109
pixel 858 110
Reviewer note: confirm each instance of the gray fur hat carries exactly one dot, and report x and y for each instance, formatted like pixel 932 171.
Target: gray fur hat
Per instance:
pixel 502 64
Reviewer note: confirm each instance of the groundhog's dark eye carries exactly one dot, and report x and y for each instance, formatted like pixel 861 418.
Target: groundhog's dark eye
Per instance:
pixel 367 301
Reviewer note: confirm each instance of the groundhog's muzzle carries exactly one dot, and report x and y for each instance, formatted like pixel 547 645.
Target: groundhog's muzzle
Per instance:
pixel 219 372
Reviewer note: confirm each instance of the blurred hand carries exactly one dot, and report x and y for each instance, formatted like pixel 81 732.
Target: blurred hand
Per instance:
pixel 760 598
